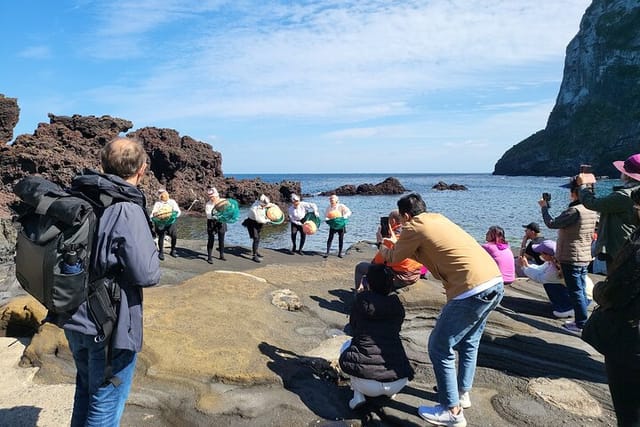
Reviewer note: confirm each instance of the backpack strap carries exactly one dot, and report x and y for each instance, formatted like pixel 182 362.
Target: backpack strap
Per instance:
pixel 44 204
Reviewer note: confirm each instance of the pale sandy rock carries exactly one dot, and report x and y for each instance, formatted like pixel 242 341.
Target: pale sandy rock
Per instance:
pixel 285 299
pixel 565 394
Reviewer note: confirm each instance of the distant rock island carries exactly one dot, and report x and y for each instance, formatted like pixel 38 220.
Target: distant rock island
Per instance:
pixel 388 186
pixel 596 119
pixel 441 186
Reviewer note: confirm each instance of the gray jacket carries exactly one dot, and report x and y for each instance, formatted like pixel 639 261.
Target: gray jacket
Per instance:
pixel 125 249
pixel 576 226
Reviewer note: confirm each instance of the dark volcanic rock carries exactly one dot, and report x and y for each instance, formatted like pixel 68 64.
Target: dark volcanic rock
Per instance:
pixel 388 186
pixel 9 114
pixel 596 116
pixel 441 186
pixel 64 147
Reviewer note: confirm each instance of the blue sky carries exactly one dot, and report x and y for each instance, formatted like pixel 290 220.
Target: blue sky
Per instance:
pixel 428 86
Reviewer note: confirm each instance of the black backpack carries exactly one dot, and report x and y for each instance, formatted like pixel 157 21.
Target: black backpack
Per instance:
pixel 54 252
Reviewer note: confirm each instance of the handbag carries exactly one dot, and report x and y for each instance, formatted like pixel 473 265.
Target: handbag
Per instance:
pixel 611 332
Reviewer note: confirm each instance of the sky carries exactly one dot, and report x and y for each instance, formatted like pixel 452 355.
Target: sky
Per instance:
pixel 431 86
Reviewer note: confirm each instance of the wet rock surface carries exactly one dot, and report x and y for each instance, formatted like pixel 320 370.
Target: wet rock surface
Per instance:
pixel 219 352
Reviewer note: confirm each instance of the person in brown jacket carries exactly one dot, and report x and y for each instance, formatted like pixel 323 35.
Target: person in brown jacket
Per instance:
pixel 575 226
pixel 473 285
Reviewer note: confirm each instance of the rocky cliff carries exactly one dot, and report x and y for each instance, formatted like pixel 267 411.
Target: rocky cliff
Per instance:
pixel 62 148
pixel 596 119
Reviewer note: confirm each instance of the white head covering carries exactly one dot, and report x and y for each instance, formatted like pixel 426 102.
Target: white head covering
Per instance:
pixel 295 197
pixel 212 192
pixel 264 199
pixel 161 190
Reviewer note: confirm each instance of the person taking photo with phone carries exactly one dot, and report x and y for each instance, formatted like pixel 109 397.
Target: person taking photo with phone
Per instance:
pixel 575 227
pixel 617 214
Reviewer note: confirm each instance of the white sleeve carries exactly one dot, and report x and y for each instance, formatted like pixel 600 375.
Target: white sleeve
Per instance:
pixel 174 206
pixel 346 212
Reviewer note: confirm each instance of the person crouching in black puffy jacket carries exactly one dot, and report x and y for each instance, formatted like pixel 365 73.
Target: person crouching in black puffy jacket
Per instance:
pixel 374 358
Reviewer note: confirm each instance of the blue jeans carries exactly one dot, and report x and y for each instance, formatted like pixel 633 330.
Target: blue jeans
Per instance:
pixel 460 328
pixel 96 403
pixel 574 277
pixel 558 296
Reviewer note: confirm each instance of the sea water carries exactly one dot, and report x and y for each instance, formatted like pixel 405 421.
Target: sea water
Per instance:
pixel 507 201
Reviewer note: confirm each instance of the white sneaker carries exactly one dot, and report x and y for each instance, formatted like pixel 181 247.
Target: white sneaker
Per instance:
pixel 440 416
pixel 563 314
pixel 465 400
pixel 357 401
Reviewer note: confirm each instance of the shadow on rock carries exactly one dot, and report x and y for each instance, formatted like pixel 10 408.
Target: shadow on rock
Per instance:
pixel 340 305
pixel 20 416
pixel 532 357
pixel 311 378
pixel 326 393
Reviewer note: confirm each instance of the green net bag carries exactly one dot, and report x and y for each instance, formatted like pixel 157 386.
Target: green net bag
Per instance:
pixel 337 223
pixel 310 223
pixel 228 212
pixel 165 221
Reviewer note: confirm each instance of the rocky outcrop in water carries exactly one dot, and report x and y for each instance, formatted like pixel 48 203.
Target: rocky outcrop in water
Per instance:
pixel 388 186
pixel 596 119
pixel 442 186
pixel 64 147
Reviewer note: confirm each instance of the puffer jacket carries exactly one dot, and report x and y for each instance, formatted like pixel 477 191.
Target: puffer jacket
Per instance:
pixel 376 350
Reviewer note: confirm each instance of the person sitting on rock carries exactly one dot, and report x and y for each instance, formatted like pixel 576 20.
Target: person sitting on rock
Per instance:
pixel 500 251
pixel 405 273
pixel 164 214
pixel 374 358
pixel 550 275
pixel 214 226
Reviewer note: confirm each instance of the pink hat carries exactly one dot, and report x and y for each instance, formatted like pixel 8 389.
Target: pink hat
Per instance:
pixel 630 167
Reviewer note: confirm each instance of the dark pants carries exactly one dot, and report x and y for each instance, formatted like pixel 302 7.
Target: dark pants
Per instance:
pixel 172 231
pixel 624 385
pixel 340 239
pixel 215 227
pixel 253 228
pixel 295 229
pixel 558 296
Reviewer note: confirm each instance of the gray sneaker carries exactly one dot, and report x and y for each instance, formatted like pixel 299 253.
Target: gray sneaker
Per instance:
pixel 437 415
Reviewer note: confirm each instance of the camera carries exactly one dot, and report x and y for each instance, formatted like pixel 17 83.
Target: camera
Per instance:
pixel 384 226
pixel 547 198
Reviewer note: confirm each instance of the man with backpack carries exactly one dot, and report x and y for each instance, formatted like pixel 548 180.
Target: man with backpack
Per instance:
pixel 125 253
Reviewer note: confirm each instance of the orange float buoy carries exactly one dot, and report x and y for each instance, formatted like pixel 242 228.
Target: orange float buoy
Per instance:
pixel 309 227
pixel 334 214
pixel 274 213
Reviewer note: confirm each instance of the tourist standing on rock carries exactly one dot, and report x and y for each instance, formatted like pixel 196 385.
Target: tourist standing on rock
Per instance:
pixel 297 212
pixel 336 216
pixel 617 214
pixel 257 218
pixel 575 227
pixel 405 273
pixel 214 226
pixel 125 253
pixel 613 328
pixel 375 358
pixel 164 214
pixel 501 253
pixel 473 286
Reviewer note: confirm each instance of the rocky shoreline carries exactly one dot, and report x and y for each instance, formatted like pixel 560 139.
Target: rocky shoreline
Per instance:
pixel 219 350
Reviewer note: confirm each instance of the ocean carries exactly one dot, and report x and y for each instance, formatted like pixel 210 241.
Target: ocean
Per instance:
pixel 509 202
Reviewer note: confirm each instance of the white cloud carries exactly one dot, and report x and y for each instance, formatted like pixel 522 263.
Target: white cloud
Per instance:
pixel 36 52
